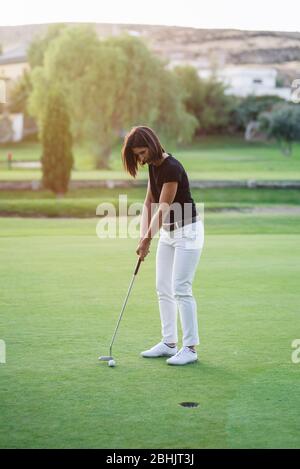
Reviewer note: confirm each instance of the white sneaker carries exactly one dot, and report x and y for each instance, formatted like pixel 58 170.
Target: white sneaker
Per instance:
pixel 160 350
pixel 184 356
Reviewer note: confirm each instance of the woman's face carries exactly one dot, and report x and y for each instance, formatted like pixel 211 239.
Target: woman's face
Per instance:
pixel 142 154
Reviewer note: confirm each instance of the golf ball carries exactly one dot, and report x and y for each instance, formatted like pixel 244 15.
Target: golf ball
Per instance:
pixel 111 363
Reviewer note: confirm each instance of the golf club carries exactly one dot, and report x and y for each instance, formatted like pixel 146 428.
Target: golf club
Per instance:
pixel 109 358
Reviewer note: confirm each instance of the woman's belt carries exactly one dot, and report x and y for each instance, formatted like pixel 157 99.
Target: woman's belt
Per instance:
pixel 180 223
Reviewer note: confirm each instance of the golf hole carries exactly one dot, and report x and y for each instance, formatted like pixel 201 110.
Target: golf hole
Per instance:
pixel 189 404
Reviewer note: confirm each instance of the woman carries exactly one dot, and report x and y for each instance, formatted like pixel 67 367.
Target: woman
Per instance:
pixel 180 243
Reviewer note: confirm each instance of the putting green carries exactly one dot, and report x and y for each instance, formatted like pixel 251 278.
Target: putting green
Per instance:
pixel 62 290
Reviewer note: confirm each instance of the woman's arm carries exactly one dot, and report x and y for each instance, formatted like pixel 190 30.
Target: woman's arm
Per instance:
pixel 146 212
pixel 166 198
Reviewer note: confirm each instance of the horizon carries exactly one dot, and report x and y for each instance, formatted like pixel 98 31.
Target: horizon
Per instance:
pixel 195 14
pixel 150 25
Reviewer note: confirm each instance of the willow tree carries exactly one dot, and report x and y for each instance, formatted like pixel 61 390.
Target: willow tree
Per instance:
pixel 205 99
pixel 109 85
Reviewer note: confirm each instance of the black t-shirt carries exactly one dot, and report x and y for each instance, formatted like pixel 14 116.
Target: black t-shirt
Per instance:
pixel 172 170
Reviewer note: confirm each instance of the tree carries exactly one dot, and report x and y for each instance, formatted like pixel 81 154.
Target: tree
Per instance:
pixel 245 110
pixel 22 89
pixel 109 85
pixel 57 158
pixel 39 45
pixel 174 121
pixel 150 93
pixel 66 60
pixel 282 124
pixel 205 99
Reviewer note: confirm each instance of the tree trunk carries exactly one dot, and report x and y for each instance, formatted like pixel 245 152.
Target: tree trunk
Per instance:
pixel 286 149
pixel 102 159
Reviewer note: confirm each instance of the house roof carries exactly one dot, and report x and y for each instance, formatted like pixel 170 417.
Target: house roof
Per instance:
pixel 15 55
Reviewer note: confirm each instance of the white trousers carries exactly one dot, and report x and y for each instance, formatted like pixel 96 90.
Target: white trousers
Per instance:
pixel 177 256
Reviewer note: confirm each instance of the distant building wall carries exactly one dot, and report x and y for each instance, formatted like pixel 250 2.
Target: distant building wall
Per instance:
pixel 13 71
pixel 17 125
pixel 249 81
pixel 241 81
pixel 2 91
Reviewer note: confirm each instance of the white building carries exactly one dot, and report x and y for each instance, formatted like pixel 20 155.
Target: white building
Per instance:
pixel 13 64
pixel 242 81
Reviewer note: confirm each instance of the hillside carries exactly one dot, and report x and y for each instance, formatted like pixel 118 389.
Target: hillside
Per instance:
pixel 204 47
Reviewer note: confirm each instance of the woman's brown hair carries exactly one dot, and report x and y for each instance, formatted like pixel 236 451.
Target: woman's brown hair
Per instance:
pixel 140 136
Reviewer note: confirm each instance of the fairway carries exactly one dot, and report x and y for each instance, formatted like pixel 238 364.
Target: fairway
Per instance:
pixel 62 290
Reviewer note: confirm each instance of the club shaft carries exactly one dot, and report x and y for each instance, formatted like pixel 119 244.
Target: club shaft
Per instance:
pixel 121 314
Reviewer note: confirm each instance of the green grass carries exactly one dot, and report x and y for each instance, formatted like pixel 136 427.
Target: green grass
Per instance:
pixel 83 202
pixel 62 289
pixel 219 158
pixel 21 151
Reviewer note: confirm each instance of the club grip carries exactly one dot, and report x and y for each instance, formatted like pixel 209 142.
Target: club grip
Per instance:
pixel 137 266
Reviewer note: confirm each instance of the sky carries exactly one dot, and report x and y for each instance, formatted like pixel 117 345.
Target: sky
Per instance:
pixel 238 14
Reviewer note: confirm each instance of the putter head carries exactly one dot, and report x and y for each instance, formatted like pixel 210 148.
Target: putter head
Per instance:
pixel 105 358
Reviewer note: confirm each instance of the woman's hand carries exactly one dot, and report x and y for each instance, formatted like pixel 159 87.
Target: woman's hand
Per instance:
pixel 143 248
